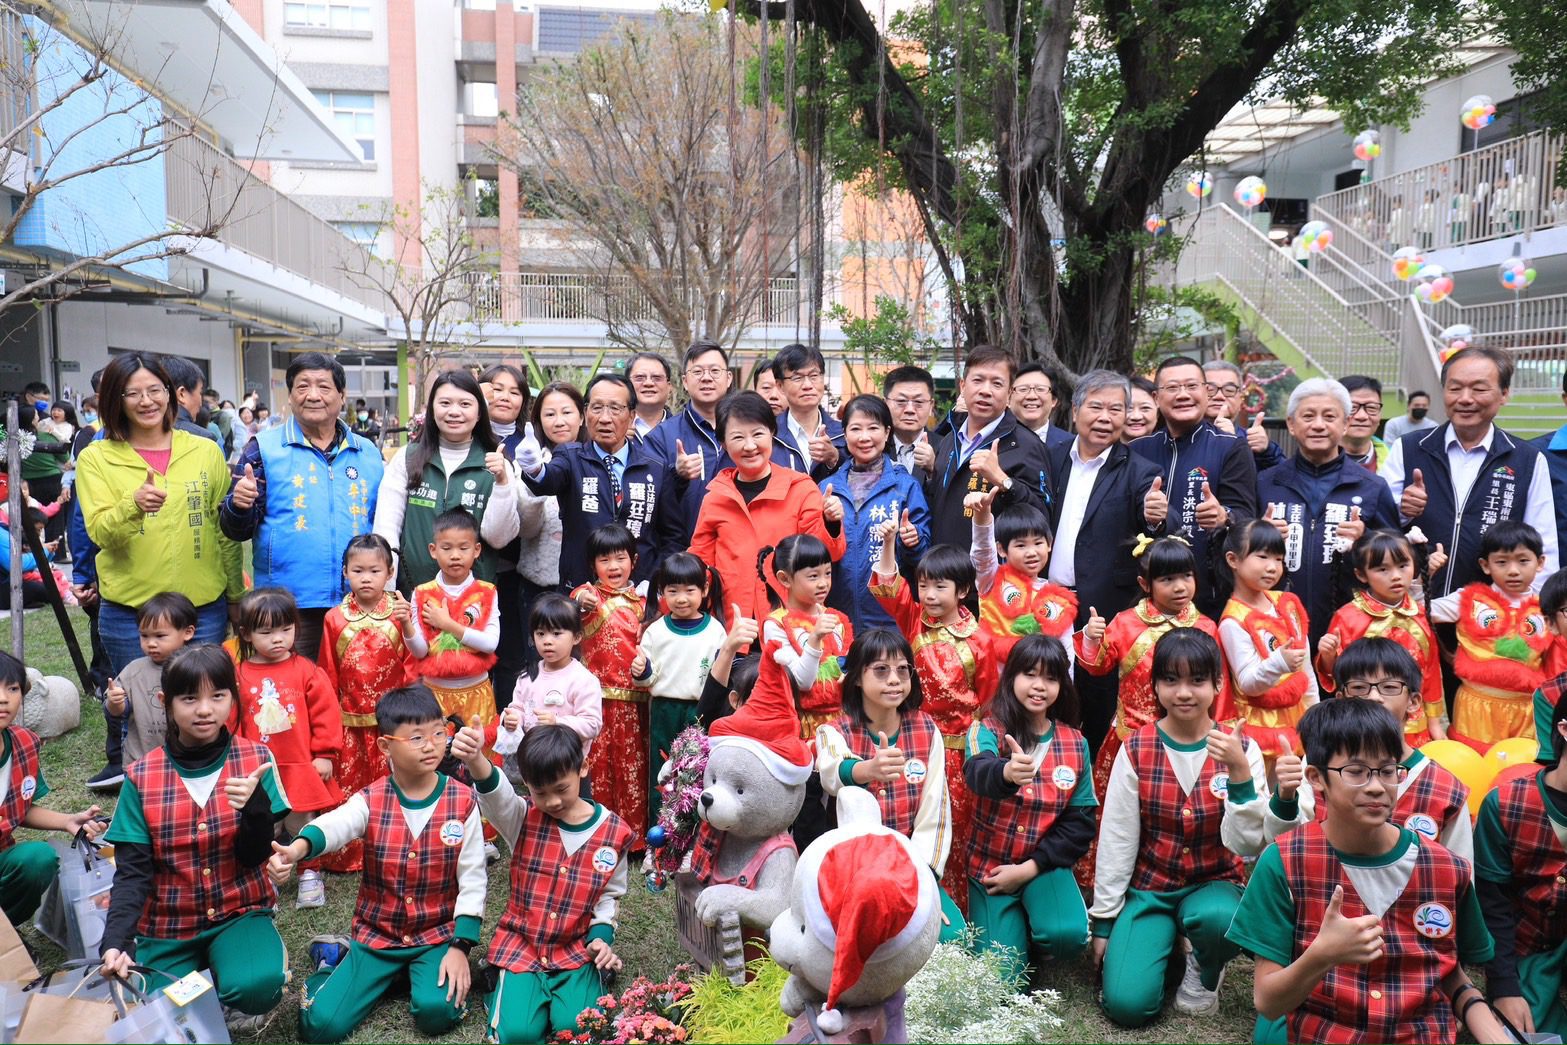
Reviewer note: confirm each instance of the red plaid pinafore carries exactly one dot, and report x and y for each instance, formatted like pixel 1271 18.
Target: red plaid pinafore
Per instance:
pixel 408 895
pixel 1180 843
pixel 1539 865
pixel 1007 830
pixel 24 783
pixel 918 739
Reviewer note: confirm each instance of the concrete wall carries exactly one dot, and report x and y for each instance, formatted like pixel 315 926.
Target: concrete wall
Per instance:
pixel 1433 136
pixel 89 329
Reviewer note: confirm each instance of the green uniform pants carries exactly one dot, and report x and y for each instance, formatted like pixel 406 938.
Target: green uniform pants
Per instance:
pixel 666 719
pixel 1541 977
pixel 26 869
pixel 1047 913
pixel 953 924
pixel 535 1006
pixel 1142 943
pixel 245 954
pixel 338 1000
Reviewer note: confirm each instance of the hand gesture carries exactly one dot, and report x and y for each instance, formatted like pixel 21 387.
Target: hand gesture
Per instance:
pixel 743 630
pixel 1295 655
pixel 978 504
pixel 987 464
pixel 1256 435
pixel 280 865
pixel 1347 941
pixel 908 533
pixel 1278 524
pixel 495 464
pixel 529 455
pixel 511 718
pixel 114 697
pixel 1156 504
pixel 1412 502
pixel 238 789
pixel 604 958
pixel 246 490
pixel 820 447
pixel 886 765
pixel 639 664
pixel 86 595
pixel 1353 528
pixel 826 624
pixel 832 507
pixel 1020 768
pixel 924 453
pixel 434 614
pixel 456 975
pixel 323 768
pixel 1094 630
pixel 115 964
pixel 468 747
pixel 1210 513
pixel 1289 772
pixel 149 497
pixel 1009 878
pixel 1227 748
pixel 401 614
pixel 1435 561
pixel 1327 652
pixel 588 599
pixel 65 495
pixel 1516 1011
pixel 1223 422
pixel 86 821
pixel 690 467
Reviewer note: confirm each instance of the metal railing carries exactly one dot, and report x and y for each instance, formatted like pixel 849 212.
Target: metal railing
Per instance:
pixel 568 297
pixel 207 187
pixel 1533 330
pixel 1507 189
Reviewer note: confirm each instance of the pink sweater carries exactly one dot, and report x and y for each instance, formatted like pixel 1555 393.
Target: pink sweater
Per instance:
pixel 572 694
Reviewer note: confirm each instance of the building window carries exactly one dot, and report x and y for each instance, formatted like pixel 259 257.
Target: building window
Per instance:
pixel 354 113
pixel 363 233
pixel 332 14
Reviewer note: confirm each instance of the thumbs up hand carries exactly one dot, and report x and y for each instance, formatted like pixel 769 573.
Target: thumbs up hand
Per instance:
pixel 148 497
pixel 495 464
pixel 468 748
pixel 826 624
pixel 1294 656
pixel 1020 768
pixel 1210 513
pixel 114 697
pixel 690 467
pixel 1270 515
pixel 1351 529
pixel 1435 561
pixel 832 507
pixel 280 865
pixel 238 789
pixel 1289 772
pixel 1346 941
pixel 1156 504
pixel 886 765
pixel 530 455
pixel 1094 630
pixel 924 453
pixel 979 502
pixel 986 463
pixel 821 449
pixel 742 629
pixel 908 533
pixel 1412 502
pixel 639 664
pixel 246 490
pixel 1227 748
pixel 1256 435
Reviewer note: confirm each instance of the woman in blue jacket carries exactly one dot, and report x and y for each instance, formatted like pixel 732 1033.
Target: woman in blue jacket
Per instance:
pixel 869 488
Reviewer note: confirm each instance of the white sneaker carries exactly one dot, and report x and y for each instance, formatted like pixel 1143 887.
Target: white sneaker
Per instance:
pixel 312 890
pixel 1192 997
pixel 491 853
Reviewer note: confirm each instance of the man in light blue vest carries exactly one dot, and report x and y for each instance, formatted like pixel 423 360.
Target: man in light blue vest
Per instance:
pixel 302 491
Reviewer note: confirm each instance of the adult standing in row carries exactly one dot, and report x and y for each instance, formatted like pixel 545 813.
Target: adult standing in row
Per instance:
pixel 1320 497
pixel 1415 420
pixel 189 384
pixel 454 463
pixel 506 397
pixel 557 422
pixel 150 496
pixel 910 392
pixel 983 448
pixel 1207 476
pixel 301 492
pixel 1365 417
pixel 1226 387
pixel 652 379
pixel 807 431
pixel 1103 500
pixel 1034 401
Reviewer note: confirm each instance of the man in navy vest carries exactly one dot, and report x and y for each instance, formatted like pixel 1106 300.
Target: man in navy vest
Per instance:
pixel 1554 446
pixel 302 491
pixel 1458 480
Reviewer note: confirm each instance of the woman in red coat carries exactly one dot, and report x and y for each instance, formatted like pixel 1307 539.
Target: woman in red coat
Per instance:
pixel 754 505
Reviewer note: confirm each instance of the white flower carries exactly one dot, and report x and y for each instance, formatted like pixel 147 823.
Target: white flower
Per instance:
pixel 960 996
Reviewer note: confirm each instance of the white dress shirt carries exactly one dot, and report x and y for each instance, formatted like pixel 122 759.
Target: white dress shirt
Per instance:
pixel 1080 485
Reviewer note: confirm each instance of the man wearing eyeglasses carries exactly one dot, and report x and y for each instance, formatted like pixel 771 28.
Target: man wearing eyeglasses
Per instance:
pixel 910 392
pixel 1207 476
pixel 1361 444
pixel 608 479
pixel 1227 411
pixel 653 380
pixel 1034 400
pixel 806 430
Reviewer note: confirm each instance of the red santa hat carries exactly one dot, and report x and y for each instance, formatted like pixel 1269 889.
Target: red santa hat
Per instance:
pixel 767 726
pixel 866 897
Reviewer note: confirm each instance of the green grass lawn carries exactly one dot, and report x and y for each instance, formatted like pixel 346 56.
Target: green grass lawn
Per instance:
pixel 646 937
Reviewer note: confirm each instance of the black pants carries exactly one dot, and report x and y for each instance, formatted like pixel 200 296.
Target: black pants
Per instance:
pixel 33 594
pixel 1096 696
pixel 307 637
pixel 511 655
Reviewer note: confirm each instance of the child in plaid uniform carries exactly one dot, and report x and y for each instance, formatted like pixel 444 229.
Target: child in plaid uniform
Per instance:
pixel 1360 926
pixel 421 899
pixel 569 869
pixel 192 833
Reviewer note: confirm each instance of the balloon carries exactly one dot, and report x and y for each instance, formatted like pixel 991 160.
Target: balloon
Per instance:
pixel 1515 274
pixel 1368 145
pixel 1199 185
pixel 1251 191
pixel 1478 112
pixel 1433 284
pixel 1155 223
pixel 1406 262
pixel 1512 751
pixel 1456 337
pixel 1515 771
pixel 1316 236
pixel 1461 760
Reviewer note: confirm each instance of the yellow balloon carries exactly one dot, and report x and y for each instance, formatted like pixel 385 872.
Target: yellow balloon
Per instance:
pixel 1465 763
pixel 1512 751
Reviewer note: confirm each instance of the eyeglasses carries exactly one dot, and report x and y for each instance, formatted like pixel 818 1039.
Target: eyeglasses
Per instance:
pixel 905 403
pixel 808 377
pixel 702 372
pixel 1031 391
pixel 883 672
pixel 1358 774
pixel 1189 387
pixel 1225 390
pixel 418 739
pixel 1369 409
pixel 150 395
pixel 607 409
pixel 1386 688
pixel 655 378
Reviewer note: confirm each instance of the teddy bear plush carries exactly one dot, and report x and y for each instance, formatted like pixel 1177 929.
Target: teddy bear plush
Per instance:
pixel 863 918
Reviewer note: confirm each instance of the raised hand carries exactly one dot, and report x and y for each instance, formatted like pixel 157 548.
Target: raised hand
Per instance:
pixel 1435 561
pixel 280 865
pixel 1412 502
pixel 1210 513
pixel 495 464
pixel 820 447
pixel 1347 941
pixel 978 504
pixel 1156 504
pixel 1020 768
pixel 826 624
pixel 1278 524
pixel 149 497
pixel 1289 772
pixel 401 614
pixel 743 630
pixel 832 506
pixel 468 745
pixel 247 490
pixel 114 697
pixel 588 599
pixel 908 533
pixel 690 467
pixel 511 718
pixel 1295 654
pixel 1256 435
pixel 1353 528
pixel 924 453
pixel 886 765
pixel 639 663
pixel 529 456
pixel 238 789
pixel 1227 748
pixel 1327 652
pixel 1094 629
pixel 987 464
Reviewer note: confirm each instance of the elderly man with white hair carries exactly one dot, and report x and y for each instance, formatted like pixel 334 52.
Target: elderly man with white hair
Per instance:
pixel 1320 497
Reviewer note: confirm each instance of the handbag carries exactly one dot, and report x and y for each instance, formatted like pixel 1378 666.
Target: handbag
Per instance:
pixel 185 1012
pixel 75 907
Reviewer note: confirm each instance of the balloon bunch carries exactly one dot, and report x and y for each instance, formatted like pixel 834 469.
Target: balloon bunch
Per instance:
pixel 1433 284
pixel 1479 111
pixel 1515 274
pixel 1199 185
pixel 1406 262
pixel 1251 191
pixel 1455 338
pixel 1502 761
pixel 1155 223
pixel 1315 236
pixel 1368 145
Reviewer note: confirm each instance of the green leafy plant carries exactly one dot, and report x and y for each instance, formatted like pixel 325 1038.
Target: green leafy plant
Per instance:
pixel 964 994
pixel 717 1011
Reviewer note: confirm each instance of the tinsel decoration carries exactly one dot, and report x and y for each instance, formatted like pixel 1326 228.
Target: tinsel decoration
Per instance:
pixel 680 796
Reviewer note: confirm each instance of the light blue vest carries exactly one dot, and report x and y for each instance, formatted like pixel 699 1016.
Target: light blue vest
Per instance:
pixel 313 509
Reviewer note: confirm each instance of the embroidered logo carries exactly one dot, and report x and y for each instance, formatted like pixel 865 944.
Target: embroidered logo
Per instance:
pixel 1064 777
pixel 29 787
pixel 451 832
pixel 1433 921
pixel 605 859
pixel 1220 786
pixel 351 472
pixel 1423 825
pixel 914 770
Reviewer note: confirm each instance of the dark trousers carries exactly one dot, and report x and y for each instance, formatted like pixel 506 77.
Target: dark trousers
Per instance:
pixel 516 638
pixel 1096 696
pixel 307 637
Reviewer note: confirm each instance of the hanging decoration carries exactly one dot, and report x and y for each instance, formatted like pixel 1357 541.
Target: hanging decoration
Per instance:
pixel 1315 236
pixel 1155 223
pixel 1368 145
pixel 1515 274
pixel 1199 185
pixel 1456 337
pixel 1433 284
pixel 1251 191
pixel 1479 111
pixel 1406 262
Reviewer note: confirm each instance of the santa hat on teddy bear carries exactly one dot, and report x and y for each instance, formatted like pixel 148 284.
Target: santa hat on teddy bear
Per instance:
pixel 767 726
pixel 864 893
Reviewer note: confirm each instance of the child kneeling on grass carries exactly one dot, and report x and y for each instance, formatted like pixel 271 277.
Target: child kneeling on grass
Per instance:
pixel 1359 925
pixel 421 899
pixel 568 873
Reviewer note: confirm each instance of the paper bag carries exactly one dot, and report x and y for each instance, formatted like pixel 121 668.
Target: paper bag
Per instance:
pixel 56 1018
pixel 16 965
